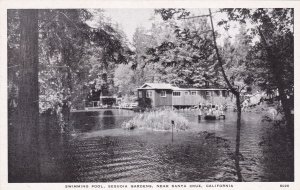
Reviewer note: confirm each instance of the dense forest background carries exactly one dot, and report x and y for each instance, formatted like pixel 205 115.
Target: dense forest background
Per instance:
pixel 76 59
pixel 56 58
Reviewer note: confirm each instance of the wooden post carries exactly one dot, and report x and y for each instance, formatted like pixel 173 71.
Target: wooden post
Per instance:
pixel 199 118
pixel 173 123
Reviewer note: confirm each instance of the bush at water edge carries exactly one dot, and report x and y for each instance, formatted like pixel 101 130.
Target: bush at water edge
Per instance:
pixel 158 120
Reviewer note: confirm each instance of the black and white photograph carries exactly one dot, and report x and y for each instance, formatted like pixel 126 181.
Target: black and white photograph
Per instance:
pixel 134 95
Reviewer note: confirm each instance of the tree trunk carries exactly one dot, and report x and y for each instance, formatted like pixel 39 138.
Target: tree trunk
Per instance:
pixel 26 168
pixel 238 139
pixel 236 93
pixel 66 108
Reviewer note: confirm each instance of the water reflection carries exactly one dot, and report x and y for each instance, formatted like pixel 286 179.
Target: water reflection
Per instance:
pixel 210 151
pixel 108 119
pixel 139 158
pixel 99 120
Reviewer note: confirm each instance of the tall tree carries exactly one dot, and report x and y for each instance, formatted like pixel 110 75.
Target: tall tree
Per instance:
pixel 235 58
pixel 276 48
pixel 236 93
pixel 210 40
pixel 75 57
pixel 26 168
pixel 187 55
pixel 142 40
pixel 63 34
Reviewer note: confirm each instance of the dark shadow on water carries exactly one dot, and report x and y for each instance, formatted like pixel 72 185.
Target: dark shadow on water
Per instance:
pixel 98 120
pixel 108 120
pixel 85 121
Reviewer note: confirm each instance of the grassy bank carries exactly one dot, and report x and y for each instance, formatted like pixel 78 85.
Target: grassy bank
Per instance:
pixel 160 120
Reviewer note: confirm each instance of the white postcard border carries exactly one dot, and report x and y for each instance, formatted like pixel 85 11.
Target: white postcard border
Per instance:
pixel 18 4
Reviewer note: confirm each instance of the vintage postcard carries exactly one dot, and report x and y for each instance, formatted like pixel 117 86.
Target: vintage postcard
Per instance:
pixel 149 95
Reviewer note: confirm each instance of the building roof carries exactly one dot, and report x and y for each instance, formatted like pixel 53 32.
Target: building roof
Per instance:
pixel 199 89
pixel 156 86
pixel 166 86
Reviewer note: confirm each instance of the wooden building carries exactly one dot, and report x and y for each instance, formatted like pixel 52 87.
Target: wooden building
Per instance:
pixel 162 94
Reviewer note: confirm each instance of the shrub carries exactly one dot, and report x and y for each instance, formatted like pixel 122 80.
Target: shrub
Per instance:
pixel 158 120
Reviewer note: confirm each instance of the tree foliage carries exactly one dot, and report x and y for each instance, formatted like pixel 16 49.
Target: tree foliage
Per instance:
pixel 275 26
pixel 73 57
pixel 188 55
pixel 235 57
pixel 273 54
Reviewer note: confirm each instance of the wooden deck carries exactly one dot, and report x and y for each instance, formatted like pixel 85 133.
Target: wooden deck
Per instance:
pixel 87 109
